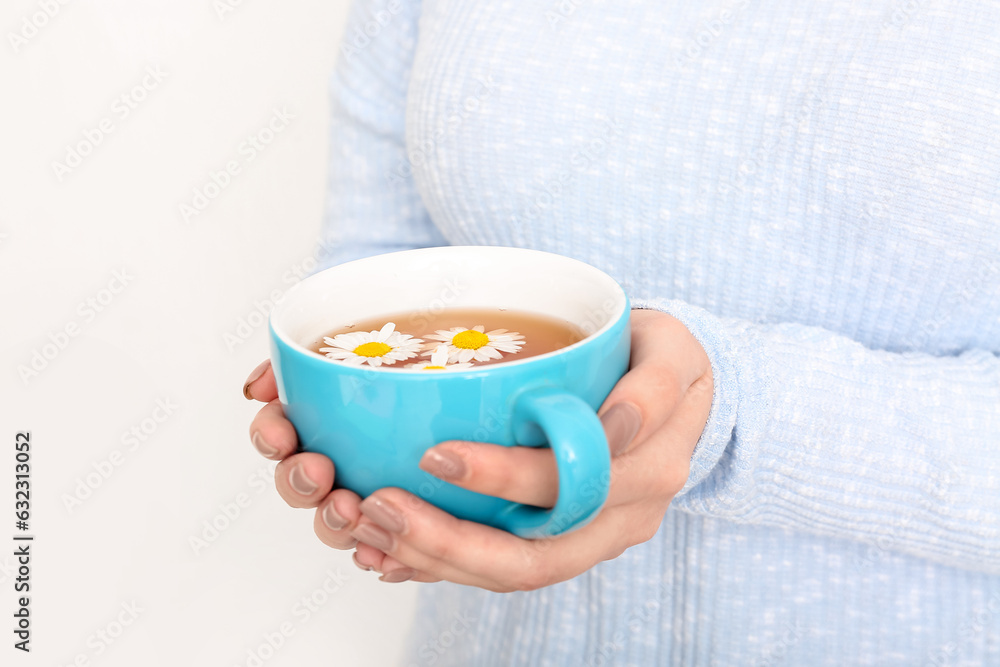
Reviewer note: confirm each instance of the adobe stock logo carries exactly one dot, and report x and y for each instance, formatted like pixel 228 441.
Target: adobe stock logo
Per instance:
pixel 103 469
pixel 358 41
pixel 223 7
pixel 253 145
pixel 711 30
pixel 87 309
pixel 562 11
pixel 121 108
pixel 31 25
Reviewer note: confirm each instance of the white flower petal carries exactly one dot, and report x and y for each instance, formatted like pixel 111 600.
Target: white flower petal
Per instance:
pixel 440 356
pixel 510 348
pixel 486 352
pixel 505 338
pixel 385 332
pixel 479 327
pixel 465 355
pixel 345 341
pixel 397 339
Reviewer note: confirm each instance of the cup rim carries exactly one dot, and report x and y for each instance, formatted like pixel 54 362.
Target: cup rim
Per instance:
pixel 299 348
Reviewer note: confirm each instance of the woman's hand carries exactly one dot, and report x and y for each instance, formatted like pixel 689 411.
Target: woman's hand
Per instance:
pixel 653 418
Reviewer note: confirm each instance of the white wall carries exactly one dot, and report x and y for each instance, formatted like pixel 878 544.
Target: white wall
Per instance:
pixel 63 236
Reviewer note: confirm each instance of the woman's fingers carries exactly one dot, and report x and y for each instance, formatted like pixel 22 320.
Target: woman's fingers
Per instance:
pixel 394 572
pixel 260 384
pixel 272 434
pixel 388 526
pixel 525 475
pixel 436 544
pixel 304 480
pixel 520 474
pixel 369 558
pixel 335 516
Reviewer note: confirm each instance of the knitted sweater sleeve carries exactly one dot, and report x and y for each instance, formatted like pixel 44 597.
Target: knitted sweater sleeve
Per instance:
pixel 809 430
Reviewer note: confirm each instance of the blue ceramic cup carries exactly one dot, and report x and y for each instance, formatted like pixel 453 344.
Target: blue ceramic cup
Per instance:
pixel 376 423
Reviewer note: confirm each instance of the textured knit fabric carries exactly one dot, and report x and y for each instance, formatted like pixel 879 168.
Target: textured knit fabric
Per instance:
pixel 813 188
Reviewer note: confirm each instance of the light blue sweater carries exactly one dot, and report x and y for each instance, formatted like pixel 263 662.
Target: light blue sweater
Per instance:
pixel 813 188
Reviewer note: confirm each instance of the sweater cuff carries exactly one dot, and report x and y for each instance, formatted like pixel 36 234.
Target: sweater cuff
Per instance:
pixel 727 449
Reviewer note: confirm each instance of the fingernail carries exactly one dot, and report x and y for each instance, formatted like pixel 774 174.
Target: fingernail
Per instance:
pixel 266 450
pixel 300 482
pixel 384 514
pixel 443 464
pixel 374 536
pixel 398 576
pixel 332 519
pixel 254 376
pixel 621 424
pixel 366 568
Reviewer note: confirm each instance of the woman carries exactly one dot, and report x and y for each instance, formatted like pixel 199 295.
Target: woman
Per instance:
pixel 802 199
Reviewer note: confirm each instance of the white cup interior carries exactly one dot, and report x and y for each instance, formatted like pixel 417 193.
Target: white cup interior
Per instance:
pixel 431 280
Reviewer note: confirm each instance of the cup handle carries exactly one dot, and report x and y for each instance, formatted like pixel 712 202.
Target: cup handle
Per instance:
pixel 577 438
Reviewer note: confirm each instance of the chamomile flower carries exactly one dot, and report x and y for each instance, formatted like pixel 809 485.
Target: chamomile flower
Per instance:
pixel 439 362
pixel 374 348
pixel 475 344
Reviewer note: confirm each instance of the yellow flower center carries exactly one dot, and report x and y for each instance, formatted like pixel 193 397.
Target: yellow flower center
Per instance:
pixel 372 349
pixel 433 368
pixel 470 340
